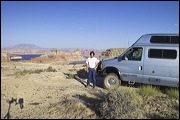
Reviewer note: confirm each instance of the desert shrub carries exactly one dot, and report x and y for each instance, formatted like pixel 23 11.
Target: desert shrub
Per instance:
pixel 71 70
pixel 149 90
pixel 137 99
pixel 24 72
pixel 173 93
pixel 38 71
pixel 146 102
pixel 116 105
pixel 50 69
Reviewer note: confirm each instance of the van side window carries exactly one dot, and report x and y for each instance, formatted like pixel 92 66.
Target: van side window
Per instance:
pixel 162 53
pixel 133 54
pixel 175 39
pixel 165 39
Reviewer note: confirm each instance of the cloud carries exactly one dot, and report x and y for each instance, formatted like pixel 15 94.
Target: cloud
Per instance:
pixel 176 24
pixel 82 28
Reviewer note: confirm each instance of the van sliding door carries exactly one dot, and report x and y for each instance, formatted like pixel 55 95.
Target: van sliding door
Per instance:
pixel 161 66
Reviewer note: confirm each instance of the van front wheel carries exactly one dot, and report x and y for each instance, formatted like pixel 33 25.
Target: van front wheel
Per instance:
pixel 111 80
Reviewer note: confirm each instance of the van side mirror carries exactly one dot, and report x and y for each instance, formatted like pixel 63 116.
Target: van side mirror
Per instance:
pixel 119 58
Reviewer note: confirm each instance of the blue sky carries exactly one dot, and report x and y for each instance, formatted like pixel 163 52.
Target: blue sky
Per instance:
pixel 85 24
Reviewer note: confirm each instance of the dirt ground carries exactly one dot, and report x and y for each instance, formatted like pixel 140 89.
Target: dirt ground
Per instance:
pixel 47 95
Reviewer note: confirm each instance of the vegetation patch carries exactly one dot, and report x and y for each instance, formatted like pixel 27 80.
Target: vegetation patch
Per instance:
pixel 160 107
pixel 116 105
pixel 24 72
pixel 37 71
pixel 149 90
pixel 173 93
pixel 71 70
pixel 50 69
pixel 146 102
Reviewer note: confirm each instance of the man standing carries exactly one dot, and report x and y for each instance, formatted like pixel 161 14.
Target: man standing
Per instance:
pixel 91 65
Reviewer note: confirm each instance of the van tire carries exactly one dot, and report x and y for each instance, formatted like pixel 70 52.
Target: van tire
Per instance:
pixel 110 81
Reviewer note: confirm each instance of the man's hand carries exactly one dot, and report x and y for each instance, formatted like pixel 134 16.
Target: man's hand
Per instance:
pixel 87 70
pixel 96 65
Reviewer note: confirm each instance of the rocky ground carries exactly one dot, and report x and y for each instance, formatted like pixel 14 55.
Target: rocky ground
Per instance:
pixel 52 91
pixel 54 94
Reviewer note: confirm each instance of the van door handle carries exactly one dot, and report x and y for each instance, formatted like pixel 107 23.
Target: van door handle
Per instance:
pixel 140 67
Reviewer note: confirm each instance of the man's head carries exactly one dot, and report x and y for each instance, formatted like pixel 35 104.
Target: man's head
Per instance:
pixel 92 54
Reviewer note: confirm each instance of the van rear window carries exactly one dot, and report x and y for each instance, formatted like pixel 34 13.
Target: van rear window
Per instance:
pixel 165 39
pixel 162 53
pixel 175 39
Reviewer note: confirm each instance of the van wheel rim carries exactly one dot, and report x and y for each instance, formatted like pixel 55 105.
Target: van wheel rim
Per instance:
pixel 111 82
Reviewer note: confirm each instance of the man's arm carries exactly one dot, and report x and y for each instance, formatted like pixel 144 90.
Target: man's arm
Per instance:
pixel 87 66
pixel 96 65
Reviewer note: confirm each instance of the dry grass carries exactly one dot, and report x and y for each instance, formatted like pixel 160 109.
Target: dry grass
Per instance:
pixel 148 90
pixel 146 102
pixel 173 93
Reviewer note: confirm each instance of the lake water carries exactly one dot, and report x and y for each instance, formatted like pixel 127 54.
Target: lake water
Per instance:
pixel 26 57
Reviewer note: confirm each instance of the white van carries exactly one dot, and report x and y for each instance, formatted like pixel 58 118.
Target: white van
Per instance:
pixel 152 59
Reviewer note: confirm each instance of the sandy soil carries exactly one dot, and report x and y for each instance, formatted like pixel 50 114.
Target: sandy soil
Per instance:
pixel 47 95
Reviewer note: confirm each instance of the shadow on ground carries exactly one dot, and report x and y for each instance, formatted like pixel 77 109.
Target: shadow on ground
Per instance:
pixel 13 100
pixel 91 102
pixel 82 78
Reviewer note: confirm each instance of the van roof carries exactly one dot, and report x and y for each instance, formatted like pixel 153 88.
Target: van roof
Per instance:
pixel 163 39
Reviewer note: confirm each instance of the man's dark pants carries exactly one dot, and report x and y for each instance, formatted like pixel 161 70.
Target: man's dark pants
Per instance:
pixel 91 75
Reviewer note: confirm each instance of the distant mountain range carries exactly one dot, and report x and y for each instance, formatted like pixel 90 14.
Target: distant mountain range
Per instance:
pixel 25 46
pixel 33 49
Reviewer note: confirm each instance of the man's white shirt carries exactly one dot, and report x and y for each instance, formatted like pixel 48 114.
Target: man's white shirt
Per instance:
pixel 92 62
